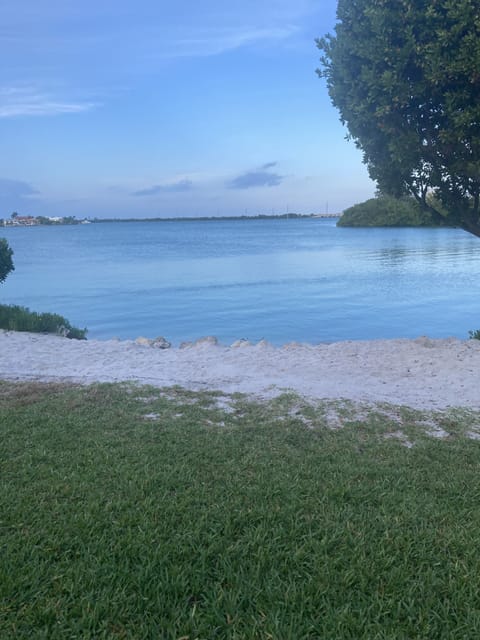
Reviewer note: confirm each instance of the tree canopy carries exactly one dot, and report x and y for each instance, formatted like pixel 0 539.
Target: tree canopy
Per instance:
pixel 405 77
pixel 387 211
pixel 6 262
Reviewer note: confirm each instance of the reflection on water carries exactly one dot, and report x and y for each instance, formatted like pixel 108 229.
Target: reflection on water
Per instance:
pixel 280 279
pixel 429 254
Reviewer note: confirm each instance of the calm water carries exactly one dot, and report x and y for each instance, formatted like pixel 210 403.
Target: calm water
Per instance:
pixel 282 280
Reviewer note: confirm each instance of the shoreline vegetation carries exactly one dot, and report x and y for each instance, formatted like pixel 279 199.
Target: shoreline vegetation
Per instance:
pixel 282 216
pixel 386 211
pixel 380 211
pixel 17 318
pixel 35 221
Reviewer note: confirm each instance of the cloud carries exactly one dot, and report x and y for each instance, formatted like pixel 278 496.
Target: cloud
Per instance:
pixel 80 42
pixel 261 177
pixel 214 42
pixel 269 165
pixel 173 187
pixel 27 101
pixel 16 189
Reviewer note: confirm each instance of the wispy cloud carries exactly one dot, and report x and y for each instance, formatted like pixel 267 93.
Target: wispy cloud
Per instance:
pixel 261 177
pixel 28 101
pixel 172 187
pixel 66 39
pixel 16 189
pixel 217 41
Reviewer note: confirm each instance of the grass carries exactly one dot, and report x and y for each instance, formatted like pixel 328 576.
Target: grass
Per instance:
pixel 133 512
pixel 16 318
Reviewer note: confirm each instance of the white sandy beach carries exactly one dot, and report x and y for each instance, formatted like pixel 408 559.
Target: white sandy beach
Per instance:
pixel 422 373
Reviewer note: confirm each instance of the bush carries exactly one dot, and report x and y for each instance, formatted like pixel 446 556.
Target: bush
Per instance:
pixel 385 211
pixel 15 318
pixel 6 262
pixel 474 335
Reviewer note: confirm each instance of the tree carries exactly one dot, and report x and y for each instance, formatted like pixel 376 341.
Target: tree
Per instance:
pixel 405 77
pixel 6 262
pixel 386 211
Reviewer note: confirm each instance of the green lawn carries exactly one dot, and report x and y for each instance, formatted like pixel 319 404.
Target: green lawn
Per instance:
pixel 131 512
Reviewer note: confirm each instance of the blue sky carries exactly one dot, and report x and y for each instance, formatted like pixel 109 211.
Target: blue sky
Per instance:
pixel 154 108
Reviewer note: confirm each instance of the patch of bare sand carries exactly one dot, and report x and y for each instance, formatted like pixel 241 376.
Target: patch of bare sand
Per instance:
pixel 420 373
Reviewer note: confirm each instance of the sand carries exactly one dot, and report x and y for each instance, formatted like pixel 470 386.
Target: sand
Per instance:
pixel 421 373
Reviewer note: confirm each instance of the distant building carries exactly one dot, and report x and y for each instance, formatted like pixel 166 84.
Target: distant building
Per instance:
pixel 24 221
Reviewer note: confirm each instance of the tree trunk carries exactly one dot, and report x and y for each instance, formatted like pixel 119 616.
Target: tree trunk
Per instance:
pixel 471 226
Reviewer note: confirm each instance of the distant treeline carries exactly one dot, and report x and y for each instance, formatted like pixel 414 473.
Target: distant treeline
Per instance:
pixel 386 211
pixel 195 219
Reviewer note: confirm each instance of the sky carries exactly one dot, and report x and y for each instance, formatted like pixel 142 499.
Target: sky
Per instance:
pixel 151 108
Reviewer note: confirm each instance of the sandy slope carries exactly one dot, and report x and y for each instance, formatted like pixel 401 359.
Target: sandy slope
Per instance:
pixel 420 373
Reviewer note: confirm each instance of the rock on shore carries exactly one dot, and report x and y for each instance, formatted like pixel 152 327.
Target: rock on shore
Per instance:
pixel 421 373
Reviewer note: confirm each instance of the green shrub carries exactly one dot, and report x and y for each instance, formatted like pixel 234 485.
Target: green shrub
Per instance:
pixel 15 318
pixel 474 335
pixel 386 211
pixel 6 262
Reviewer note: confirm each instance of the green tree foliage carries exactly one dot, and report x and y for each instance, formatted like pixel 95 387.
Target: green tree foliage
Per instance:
pixel 386 211
pixel 405 77
pixel 15 318
pixel 6 262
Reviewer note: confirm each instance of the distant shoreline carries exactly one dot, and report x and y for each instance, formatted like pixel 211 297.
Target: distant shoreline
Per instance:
pixel 40 221
pixel 284 216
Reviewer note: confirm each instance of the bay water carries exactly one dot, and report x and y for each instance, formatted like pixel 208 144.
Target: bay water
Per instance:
pixel 283 280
